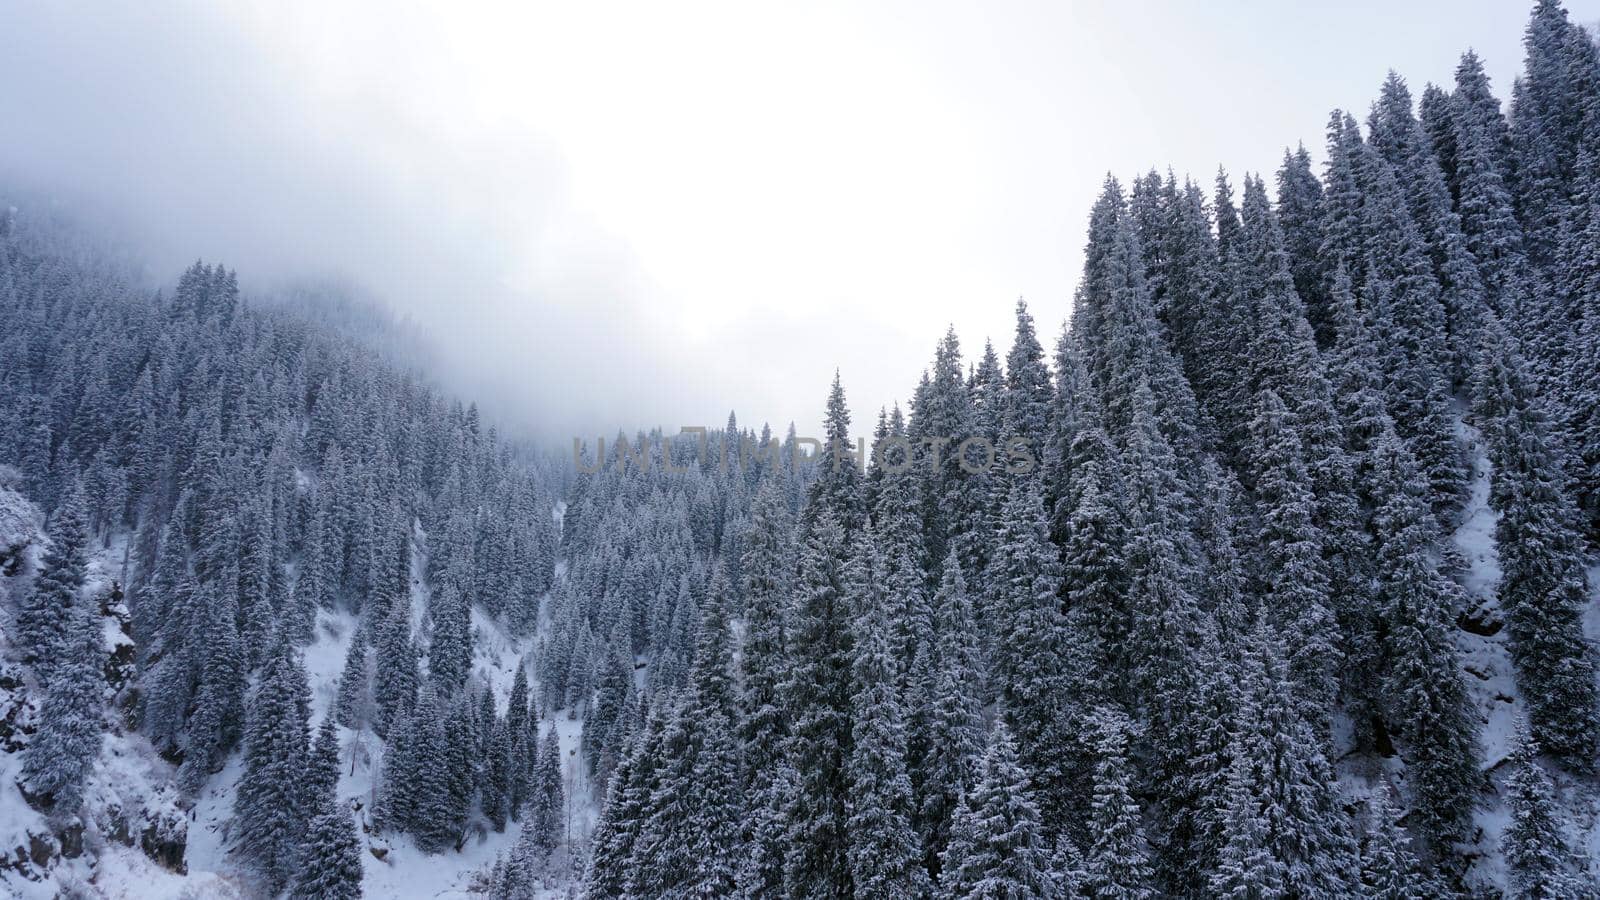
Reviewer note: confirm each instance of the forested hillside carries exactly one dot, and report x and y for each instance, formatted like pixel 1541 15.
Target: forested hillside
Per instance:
pixel 1294 603
pixel 1275 577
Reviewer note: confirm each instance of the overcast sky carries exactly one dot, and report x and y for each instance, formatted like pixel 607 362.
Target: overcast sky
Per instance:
pixel 650 213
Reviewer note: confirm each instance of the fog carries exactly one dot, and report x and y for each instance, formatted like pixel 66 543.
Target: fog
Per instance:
pixel 613 214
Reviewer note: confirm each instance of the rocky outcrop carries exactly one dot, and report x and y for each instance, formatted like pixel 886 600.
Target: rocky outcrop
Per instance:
pixel 165 839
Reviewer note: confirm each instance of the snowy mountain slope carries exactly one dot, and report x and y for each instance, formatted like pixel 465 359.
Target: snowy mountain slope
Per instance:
pixel 1482 642
pixel 393 866
pixel 132 807
pixel 131 812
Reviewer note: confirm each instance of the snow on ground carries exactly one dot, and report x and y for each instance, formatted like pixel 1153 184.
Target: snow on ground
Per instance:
pixel 131 783
pixel 404 871
pixel 1492 685
pixel 1484 656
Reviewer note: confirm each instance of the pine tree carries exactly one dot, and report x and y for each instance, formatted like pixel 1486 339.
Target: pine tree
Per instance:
pixel 761 870
pixel 435 821
pixel 953 743
pixel 322 771
pixel 837 488
pixel 620 839
pixel 817 699
pixel 1029 395
pixel 1389 870
pixel 1534 843
pixel 884 854
pixel 219 703
pixel 330 863
pixel 67 741
pixel 450 651
pixel 1117 863
pixel 1402 140
pixel 997 846
pixel 352 708
pixel 1282 821
pixel 1423 680
pixel 1577 282
pixel 270 806
pixel 496 790
pixel 395 678
pixel 1025 576
pixel 1543 587
pixel 463 770
pixel 942 416
pixel 762 659
pixel 612 843
pixel 1300 214
pixel 313 589
pixel 45 619
pixel 1552 106
pixel 1295 583
pixel 613 698
pixel 1484 186
pixel 543 823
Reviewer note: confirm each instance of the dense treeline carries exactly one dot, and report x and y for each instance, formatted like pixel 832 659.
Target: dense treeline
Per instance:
pixel 1210 645
pixel 262 468
pixel 1202 633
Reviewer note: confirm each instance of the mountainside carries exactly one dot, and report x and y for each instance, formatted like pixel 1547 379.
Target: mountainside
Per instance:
pixel 1276 579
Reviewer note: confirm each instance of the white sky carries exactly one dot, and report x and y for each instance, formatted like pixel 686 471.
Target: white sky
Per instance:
pixel 648 213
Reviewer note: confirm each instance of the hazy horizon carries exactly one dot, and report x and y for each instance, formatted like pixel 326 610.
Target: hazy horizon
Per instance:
pixel 626 215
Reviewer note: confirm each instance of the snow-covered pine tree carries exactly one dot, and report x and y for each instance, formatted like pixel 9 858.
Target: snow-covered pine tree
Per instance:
pixel 45 619
pixel 1025 577
pixel 762 661
pixel 1534 843
pixel 816 697
pixel 1543 587
pixel 1426 698
pixel 322 768
pixel 219 700
pixel 1389 870
pixel 270 807
pixel 1281 813
pixel 884 851
pixel 1117 861
pixel 543 823
pixel 1294 582
pixel 997 845
pixel 67 741
pixel 450 650
pixel 395 678
pixel 1300 215
pixel 330 863
pixel 953 720
pixel 353 706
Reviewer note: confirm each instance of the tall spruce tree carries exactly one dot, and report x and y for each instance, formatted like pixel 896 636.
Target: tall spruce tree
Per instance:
pixel 1117 861
pixel 64 747
pixel 46 617
pixel 817 696
pixel 271 808
pixel 1543 587
pixel 997 844
pixel 884 852
pixel 1537 855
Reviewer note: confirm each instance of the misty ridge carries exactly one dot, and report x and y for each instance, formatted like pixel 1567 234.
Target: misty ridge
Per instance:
pixel 892 454
pixel 345 551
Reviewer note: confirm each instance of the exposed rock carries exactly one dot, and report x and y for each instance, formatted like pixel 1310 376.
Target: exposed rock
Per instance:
pixel 17 710
pixel 71 839
pixel 42 849
pixel 166 840
pixel 1481 621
